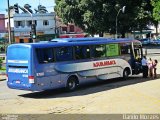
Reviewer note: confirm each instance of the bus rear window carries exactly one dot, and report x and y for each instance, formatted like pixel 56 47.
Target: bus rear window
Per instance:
pixel 18 53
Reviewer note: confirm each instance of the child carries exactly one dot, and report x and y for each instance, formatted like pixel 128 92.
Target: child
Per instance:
pixel 155 62
pixel 150 67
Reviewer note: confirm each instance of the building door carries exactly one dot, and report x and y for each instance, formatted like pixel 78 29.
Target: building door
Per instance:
pixel 21 40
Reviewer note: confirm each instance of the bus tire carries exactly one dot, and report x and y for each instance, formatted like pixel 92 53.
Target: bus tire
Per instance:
pixel 71 83
pixel 125 74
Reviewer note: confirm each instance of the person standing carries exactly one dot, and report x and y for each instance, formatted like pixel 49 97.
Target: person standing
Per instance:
pixel 150 67
pixel 155 62
pixel 144 67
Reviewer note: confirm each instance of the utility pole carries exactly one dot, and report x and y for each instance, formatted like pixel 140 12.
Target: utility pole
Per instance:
pixel 9 24
pixel 55 30
pixel 33 27
pixel 123 10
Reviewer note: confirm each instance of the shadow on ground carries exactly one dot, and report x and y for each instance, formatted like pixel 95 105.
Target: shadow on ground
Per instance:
pixel 89 88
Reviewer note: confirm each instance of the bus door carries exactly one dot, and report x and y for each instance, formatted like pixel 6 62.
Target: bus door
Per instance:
pixel 138 54
pixel 19 67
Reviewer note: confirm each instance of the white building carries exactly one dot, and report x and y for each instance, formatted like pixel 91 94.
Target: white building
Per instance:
pixel 154 31
pixel 45 26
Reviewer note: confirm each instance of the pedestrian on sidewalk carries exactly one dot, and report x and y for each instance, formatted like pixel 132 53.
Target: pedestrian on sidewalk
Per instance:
pixel 144 67
pixel 150 67
pixel 155 62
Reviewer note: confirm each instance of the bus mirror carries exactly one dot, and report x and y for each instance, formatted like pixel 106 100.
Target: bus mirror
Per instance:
pixel 145 51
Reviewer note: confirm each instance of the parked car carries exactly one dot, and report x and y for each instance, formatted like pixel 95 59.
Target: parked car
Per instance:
pixel 145 41
pixel 156 42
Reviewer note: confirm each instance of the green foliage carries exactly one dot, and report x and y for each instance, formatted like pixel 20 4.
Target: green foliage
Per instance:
pixel 156 10
pixel 99 16
pixel 1 61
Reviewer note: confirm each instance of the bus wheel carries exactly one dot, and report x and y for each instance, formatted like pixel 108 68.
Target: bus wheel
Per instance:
pixel 125 74
pixel 71 84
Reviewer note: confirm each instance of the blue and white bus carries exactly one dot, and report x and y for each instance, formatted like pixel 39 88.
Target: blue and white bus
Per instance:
pixel 70 62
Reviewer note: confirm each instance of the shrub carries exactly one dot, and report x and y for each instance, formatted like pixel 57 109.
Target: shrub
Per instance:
pixel 1 63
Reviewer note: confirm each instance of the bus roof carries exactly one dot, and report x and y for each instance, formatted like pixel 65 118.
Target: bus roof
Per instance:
pixel 77 41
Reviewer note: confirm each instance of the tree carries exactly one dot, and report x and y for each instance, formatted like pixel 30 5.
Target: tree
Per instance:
pixel 156 9
pixel 90 15
pixel 26 6
pixel 99 16
pixel 156 13
pixel 41 9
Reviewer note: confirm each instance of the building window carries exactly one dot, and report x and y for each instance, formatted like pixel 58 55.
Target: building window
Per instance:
pixel 45 22
pixel 64 29
pixel 71 28
pixel 19 23
pixel 29 23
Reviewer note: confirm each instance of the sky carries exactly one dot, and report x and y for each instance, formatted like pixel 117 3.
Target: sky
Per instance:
pixel 49 4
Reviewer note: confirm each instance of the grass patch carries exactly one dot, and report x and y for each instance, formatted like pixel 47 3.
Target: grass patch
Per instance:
pixel 2 69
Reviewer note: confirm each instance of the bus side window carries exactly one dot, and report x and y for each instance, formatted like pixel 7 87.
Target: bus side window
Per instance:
pixel 78 52
pixel 87 51
pixel 125 49
pixel 64 53
pixel 98 51
pixel 112 50
pixel 45 55
pixel 82 52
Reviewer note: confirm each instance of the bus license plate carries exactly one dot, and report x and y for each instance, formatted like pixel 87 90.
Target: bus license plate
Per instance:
pixel 18 82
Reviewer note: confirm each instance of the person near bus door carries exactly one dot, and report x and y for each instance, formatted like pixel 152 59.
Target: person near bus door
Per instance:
pixel 144 67
pixel 150 67
pixel 155 62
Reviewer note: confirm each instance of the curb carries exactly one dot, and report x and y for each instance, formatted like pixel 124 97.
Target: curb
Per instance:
pixel 3 75
pixel 2 79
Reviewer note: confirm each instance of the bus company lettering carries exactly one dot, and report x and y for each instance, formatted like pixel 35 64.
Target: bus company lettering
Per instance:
pixel 18 70
pixel 104 63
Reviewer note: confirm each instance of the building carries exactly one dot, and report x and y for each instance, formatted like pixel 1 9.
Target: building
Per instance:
pixel 3 30
pixel 45 26
pixel 68 31
pixel 155 33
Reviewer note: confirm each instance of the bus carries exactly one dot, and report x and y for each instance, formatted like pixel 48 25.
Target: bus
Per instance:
pixel 71 62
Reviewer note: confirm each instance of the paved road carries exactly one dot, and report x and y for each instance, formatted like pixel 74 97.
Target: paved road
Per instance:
pixel 136 95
